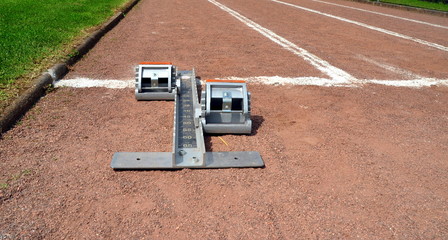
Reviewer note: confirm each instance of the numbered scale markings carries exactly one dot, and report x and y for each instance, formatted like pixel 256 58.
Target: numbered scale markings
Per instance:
pixel 186 134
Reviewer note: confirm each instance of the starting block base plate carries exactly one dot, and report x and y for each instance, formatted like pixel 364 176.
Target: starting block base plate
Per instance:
pixel 164 160
pixel 155 96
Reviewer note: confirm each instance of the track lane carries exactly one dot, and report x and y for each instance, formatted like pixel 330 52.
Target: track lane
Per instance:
pixel 344 45
pixel 382 14
pixel 322 65
pixel 366 162
pixel 393 11
pixel 194 34
pixel 422 32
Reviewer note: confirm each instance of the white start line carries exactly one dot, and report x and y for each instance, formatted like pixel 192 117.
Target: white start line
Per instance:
pixel 268 80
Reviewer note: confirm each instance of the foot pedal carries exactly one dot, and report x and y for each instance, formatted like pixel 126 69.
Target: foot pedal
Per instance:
pixel 155 81
pixel 225 106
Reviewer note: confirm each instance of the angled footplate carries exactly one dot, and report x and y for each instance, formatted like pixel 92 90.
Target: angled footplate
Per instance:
pixel 225 106
pixel 155 81
pixel 189 122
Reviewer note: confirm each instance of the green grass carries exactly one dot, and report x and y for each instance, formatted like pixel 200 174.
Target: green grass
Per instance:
pixel 14 178
pixel 4 186
pixel 420 4
pixel 36 33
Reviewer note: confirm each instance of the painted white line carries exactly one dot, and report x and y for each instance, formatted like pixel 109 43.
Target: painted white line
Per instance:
pixel 321 82
pixel 89 83
pixel 322 65
pixel 268 80
pixel 399 35
pixel 383 14
pixel 390 68
pixel 415 83
pixel 304 81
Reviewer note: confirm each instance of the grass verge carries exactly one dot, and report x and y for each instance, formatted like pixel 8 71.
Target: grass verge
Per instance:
pixel 36 34
pixel 420 4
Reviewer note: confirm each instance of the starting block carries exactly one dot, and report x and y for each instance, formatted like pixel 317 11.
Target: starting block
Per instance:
pixel 155 81
pixel 224 108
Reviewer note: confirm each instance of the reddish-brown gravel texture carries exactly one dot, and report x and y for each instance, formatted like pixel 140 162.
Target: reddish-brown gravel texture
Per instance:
pixel 341 163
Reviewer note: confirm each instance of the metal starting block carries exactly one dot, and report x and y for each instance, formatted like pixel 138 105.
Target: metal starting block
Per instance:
pixel 155 81
pixel 225 108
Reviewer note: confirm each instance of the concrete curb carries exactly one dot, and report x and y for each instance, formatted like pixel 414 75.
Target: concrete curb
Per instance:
pixel 407 8
pixel 26 101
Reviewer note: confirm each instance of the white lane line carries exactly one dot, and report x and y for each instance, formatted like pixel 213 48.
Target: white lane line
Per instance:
pixel 390 68
pixel 267 80
pixel 383 14
pixel 322 65
pixel 89 83
pixel 430 44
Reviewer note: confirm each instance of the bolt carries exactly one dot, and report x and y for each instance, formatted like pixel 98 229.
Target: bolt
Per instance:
pixel 182 152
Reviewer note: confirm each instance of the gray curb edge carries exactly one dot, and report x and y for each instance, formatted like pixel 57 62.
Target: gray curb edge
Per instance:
pixel 15 111
pixel 408 8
